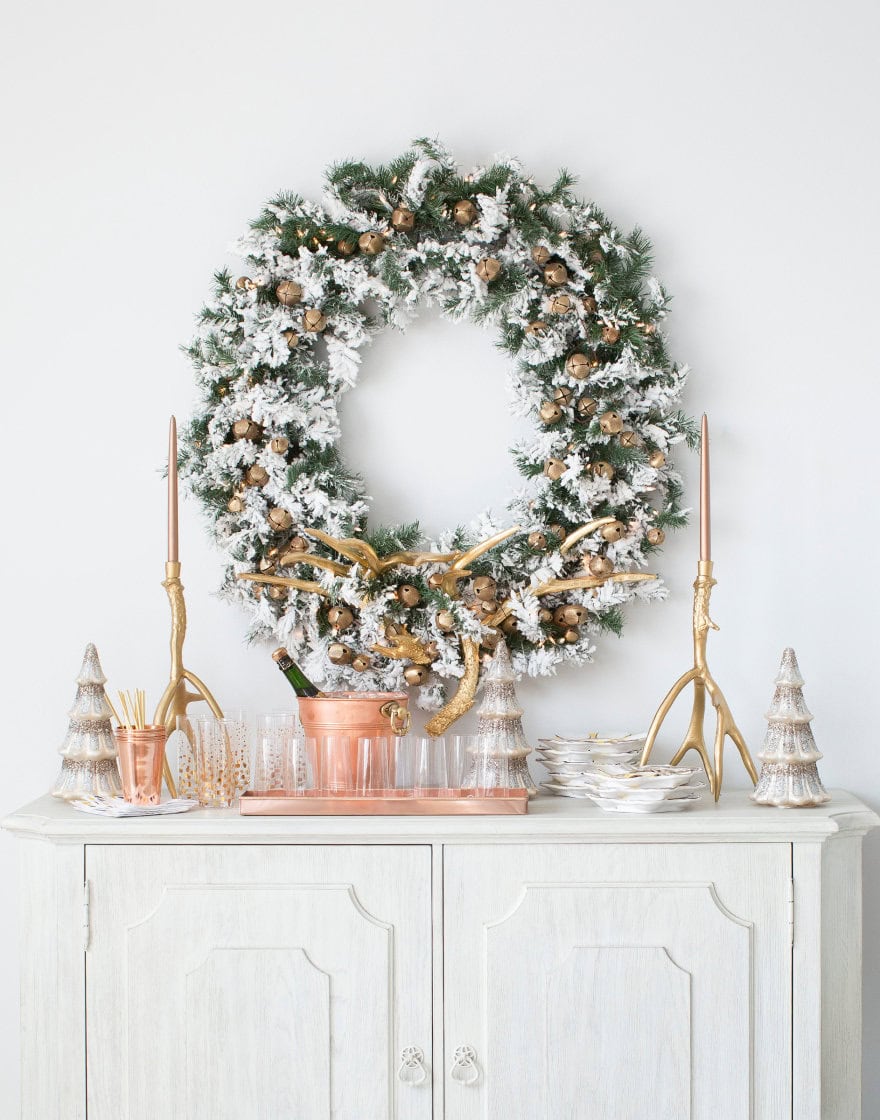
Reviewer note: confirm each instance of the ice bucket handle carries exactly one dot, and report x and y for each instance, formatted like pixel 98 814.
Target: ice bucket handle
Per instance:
pixel 399 716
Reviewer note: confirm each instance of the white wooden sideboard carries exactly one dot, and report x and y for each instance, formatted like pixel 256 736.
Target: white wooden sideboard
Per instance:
pixel 566 965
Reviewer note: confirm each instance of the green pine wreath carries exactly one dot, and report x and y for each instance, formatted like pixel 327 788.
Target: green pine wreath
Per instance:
pixel 570 298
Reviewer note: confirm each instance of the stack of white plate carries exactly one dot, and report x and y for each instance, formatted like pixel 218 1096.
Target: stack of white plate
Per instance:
pixel 621 788
pixel 571 762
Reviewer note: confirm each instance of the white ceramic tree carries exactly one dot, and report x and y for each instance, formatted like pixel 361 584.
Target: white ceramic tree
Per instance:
pixel 89 749
pixel 789 777
pixel 502 742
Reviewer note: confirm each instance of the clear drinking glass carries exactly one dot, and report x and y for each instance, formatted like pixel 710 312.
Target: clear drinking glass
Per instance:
pixel 405 762
pixel 273 750
pixel 430 765
pixel 460 751
pixel 491 767
pixel 299 774
pixel 214 764
pixel 335 764
pixel 373 765
pixel 181 740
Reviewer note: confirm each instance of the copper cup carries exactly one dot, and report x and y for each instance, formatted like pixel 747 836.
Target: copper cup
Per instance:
pixel 141 755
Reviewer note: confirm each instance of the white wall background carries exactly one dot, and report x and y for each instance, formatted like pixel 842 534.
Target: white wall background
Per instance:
pixel 138 140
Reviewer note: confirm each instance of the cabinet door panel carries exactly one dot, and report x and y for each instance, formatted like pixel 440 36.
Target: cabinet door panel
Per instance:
pixel 600 982
pixel 234 983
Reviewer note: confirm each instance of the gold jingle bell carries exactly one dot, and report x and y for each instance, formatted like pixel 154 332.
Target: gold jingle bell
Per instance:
pixel 445 621
pixel 361 662
pixel 540 254
pixel 555 274
pixel 435 580
pixel 657 460
pixel 570 614
pixel 371 243
pixel 537 326
pixel 245 284
pixel 614 531
pixel 610 423
pixel 432 650
pixel 266 565
pixel 246 429
pixel 488 269
pixel 235 504
pixel 279 444
pixel 550 412
pixel 464 212
pixel 275 591
pixel 586 407
pixel 256 475
pixel 603 470
pixel 610 334
pixel 600 566
pixel 509 625
pixel 408 594
pixel 557 530
pixel 292 339
pixel 554 468
pixel 545 615
pixel 655 536
pixel 483 609
pixel 345 248
pixel 484 588
pixel 339 653
pixel 590 305
pixel 288 292
pixel 340 618
pixel 628 438
pixel 571 634
pixel 402 219
pixel 296 546
pixel 490 638
pixel 560 305
pixel 314 320
pixel 537 541
pixel 562 396
pixel 415 674
pixel 580 365
pixel 279 520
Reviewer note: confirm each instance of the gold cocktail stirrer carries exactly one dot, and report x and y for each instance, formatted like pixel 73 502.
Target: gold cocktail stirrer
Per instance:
pixel 177 697
pixel 699 674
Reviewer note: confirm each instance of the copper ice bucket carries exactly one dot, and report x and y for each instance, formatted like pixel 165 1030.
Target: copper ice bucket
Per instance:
pixel 355 715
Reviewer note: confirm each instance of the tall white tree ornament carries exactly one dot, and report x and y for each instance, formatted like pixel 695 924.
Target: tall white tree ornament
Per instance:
pixel 89 749
pixel 789 777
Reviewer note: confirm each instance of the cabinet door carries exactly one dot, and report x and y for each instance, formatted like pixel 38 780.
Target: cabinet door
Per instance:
pixel 258 983
pixel 624 982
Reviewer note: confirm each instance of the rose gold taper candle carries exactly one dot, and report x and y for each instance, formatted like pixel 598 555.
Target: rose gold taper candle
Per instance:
pixel 173 556
pixel 705 519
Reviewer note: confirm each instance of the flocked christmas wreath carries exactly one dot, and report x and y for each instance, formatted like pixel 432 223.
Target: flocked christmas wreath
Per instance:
pixel 572 302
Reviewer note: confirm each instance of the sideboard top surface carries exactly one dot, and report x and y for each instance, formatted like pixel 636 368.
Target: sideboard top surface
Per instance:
pixel 734 818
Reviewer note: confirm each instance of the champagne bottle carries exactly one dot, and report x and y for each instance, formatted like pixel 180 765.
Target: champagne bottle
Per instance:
pixel 299 682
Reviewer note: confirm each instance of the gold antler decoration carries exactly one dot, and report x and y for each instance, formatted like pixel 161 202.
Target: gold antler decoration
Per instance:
pixel 404 646
pixel 584 530
pixel 364 554
pixel 458 569
pixel 555 586
pixel 285 581
pixel 463 698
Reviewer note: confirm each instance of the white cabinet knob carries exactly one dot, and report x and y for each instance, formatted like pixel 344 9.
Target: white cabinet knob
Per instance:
pixel 464 1066
pixel 412 1066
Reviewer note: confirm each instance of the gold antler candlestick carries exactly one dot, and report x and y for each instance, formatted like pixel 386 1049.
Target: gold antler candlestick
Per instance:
pixel 702 679
pixel 177 697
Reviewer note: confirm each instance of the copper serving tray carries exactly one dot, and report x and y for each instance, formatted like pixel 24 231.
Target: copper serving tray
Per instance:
pixel 382 803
